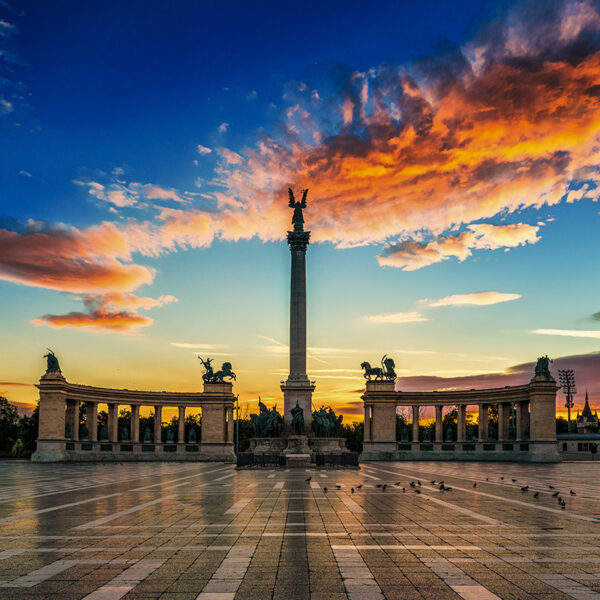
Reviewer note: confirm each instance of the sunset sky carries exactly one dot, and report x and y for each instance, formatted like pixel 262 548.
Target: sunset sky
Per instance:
pixel 452 151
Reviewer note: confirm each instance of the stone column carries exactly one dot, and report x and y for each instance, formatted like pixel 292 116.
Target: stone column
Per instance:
pixel 181 426
pixel 297 388
pixel 483 422
pixel 367 428
pixel 503 412
pixel 439 435
pixel 135 423
pixel 520 432
pixel 91 420
pixel 525 418
pixel 230 425
pixel 542 404
pixel 158 424
pixel 52 419
pixel 461 410
pixel 113 423
pixel 415 424
pixel 72 418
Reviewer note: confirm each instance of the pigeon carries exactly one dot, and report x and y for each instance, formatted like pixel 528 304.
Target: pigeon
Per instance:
pixel 502 478
pixel 352 490
pixel 358 487
pixel 442 487
pixel 325 489
pixel 555 494
pixel 338 486
pixel 417 491
pixel 412 484
pixel 514 480
pixel 378 485
pixel 536 495
pixel 418 483
pixel 433 482
pixel 572 493
pixel 475 484
pixel 524 488
pixel 384 487
pixel 551 487
pixel 307 480
pixel 397 483
pixel 404 489
pixel 563 504
pixel 448 489
pixel 487 479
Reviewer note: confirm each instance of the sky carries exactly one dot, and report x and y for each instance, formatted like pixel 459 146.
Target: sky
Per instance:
pixel 452 155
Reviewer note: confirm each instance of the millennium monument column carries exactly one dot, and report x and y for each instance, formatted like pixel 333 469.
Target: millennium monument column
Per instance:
pixel 297 389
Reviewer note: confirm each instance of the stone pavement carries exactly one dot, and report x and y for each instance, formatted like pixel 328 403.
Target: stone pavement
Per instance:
pixel 203 530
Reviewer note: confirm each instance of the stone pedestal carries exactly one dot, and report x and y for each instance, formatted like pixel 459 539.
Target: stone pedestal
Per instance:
pixel 297 460
pixel 52 420
pixel 299 391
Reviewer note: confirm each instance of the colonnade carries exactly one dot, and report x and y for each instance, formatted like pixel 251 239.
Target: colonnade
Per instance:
pixel 533 407
pixel 59 434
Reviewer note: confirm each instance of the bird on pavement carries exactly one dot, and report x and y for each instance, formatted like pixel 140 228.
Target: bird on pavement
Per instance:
pixel 384 487
pixel 418 483
pixel 475 484
pixel 358 487
pixel 555 494
pixel 338 486
pixel 572 493
pixel 307 480
pixel 404 489
pixel 536 495
pixel 352 490
pixel 412 484
pixel 514 480
pixel 524 488
pixel 325 489
pixel 417 491
pixel 551 487
pixel 502 478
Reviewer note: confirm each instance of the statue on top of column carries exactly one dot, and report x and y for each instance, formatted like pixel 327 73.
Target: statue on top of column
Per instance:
pixel 298 217
pixel 542 368
pixel 52 365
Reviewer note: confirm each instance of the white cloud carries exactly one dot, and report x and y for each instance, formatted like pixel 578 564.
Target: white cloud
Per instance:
pixel 223 127
pixel 197 346
pixel 204 149
pixel 474 299
pixel 400 317
pixel 26 173
pixel 569 332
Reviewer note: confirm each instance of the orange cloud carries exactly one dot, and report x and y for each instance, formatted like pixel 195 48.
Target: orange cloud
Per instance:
pixel 401 317
pixel 97 320
pixel 411 255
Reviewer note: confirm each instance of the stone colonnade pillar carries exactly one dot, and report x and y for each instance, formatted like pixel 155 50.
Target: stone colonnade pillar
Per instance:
pixel 415 424
pixel 73 418
pixel 522 419
pixel 483 422
pixel 135 423
pixel 380 426
pixel 113 422
pixel 52 419
pixel 503 412
pixel 542 402
pixel 439 434
pixel 181 426
pixel 158 424
pixel 217 420
pixel 461 422
pixel 91 420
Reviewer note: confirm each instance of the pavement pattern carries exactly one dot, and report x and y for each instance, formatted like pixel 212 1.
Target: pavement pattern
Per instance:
pixel 204 530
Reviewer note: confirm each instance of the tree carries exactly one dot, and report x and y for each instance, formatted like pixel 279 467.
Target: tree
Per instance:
pixel 561 425
pixel 28 431
pixel 354 435
pixel 9 425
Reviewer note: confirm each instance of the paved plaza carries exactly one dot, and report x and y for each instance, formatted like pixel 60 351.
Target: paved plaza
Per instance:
pixel 183 531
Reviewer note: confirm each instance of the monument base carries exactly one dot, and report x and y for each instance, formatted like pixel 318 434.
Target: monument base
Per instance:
pixel 297 460
pixel 298 444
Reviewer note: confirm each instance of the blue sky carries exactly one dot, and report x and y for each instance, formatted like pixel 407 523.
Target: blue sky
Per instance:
pixel 146 152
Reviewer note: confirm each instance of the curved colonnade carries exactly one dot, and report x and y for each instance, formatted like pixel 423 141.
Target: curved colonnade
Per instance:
pixel 533 407
pixel 58 438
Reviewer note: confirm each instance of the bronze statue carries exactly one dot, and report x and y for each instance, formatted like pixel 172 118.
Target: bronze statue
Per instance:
pixel 298 217
pixel 52 365
pixel 268 423
pixel 209 375
pixel 386 371
pixel 326 423
pixel 298 419
pixel 542 367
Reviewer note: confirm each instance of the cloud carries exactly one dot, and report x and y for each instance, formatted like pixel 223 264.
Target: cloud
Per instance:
pixel 203 149
pixel 596 316
pixel 223 127
pixel 14 384
pixel 197 346
pixel 411 255
pixel 400 317
pixel 25 173
pixel 127 195
pixel 112 312
pixel 473 299
pixel 568 333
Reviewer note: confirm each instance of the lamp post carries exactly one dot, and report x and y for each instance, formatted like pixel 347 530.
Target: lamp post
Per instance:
pixel 567 382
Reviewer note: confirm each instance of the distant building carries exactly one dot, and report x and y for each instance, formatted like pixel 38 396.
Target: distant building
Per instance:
pixel 587 422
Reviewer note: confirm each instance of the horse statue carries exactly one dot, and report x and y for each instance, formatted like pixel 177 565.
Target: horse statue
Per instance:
pixel 224 372
pixel 268 423
pixel 376 372
pixel 386 371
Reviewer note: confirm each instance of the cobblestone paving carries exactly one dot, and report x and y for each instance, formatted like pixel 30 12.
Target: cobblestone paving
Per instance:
pixel 185 531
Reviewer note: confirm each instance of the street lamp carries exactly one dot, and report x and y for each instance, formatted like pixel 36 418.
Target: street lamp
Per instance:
pixel 567 382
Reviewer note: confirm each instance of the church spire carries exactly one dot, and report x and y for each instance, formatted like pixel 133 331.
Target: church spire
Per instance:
pixel 587 411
